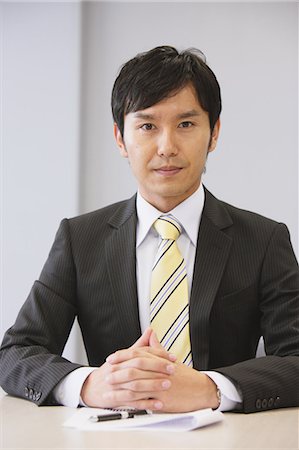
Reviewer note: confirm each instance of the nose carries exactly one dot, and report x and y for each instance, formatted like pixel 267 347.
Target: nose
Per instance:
pixel 167 145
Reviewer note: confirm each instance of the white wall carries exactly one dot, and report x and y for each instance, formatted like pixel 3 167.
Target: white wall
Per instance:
pixel 58 157
pixel 40 103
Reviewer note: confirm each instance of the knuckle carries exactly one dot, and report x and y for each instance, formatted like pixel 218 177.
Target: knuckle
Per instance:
pixel 131 373
pixel 135 385
pixel 134 353
pixel 138 363
pixel 116 354
pixel 131 395
pixel 112 369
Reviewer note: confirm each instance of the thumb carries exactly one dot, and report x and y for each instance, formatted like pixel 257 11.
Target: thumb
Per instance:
pixel 143 341
pixel 154 341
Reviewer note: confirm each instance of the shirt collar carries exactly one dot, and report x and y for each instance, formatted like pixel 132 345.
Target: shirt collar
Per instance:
pixel 188 213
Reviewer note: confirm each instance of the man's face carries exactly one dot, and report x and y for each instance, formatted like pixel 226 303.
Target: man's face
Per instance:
pixel 167 147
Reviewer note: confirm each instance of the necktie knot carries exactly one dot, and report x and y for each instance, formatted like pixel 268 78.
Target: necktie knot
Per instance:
pixel 168 227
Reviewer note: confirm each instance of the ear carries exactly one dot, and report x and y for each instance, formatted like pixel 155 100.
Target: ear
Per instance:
pixel 119 141
pixel 214 136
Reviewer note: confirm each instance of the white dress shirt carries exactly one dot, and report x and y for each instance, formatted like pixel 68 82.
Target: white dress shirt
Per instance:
pixel 188 213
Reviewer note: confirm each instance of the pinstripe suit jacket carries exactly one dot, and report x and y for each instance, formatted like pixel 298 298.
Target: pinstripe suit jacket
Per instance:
pixel 245 285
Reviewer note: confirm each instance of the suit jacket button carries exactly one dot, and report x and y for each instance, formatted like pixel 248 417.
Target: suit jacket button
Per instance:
pixel 264 404
pixel 258 403
pixel 270 402
pixel 276 402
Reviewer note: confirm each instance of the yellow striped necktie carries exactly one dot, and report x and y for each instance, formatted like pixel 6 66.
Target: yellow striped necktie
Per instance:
pixel 169 310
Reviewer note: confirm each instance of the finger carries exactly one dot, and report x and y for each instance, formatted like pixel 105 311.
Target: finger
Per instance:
pixel 156 365
pixel 131 353
pixel 145 385
pixel 128 398
pixel 131 375
pixel 118 376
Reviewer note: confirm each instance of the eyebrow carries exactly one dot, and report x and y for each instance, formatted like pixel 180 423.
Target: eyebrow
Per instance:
pixel 184 115
pixel 187 114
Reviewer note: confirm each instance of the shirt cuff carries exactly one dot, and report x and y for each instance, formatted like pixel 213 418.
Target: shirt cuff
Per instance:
pixel 230 397
pixel 68 390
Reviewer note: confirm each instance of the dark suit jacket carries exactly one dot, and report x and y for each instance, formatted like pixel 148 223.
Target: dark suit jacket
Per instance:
pixel 245 285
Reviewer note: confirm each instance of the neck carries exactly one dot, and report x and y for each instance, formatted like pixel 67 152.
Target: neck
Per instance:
pixel 166 204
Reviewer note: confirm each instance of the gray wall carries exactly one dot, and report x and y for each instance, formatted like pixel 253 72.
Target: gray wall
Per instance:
pixel 58 157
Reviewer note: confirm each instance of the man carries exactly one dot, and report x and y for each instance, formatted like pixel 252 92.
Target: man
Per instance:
pixel 236 280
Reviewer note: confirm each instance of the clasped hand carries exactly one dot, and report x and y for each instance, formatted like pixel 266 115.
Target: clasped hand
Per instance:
pixel 146 376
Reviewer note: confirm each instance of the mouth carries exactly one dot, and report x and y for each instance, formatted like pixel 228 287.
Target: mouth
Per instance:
pixel 168 170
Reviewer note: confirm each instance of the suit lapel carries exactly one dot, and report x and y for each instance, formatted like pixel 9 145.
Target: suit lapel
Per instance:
pixel 213 247
pixel 120 252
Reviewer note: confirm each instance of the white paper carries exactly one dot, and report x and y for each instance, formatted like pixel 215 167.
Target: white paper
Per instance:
pixel 155 421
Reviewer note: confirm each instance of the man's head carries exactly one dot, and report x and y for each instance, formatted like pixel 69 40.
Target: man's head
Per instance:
pixel 166 108
pixel 159 73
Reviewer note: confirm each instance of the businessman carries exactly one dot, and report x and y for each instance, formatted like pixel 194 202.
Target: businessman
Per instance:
pixel 172 288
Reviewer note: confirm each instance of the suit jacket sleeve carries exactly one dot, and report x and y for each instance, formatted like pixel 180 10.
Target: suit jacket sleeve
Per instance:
pixel 273 381
pixel 31 363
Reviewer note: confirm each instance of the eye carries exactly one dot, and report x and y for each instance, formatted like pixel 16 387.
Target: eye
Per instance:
pixel 186 124
pixel 147 126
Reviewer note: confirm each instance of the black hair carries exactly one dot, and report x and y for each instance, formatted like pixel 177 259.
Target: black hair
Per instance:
pixel 159 73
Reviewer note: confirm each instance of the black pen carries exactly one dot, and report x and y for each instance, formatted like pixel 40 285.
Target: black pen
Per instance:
pixel 140 412
pixel 119 415
pixel 113 416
